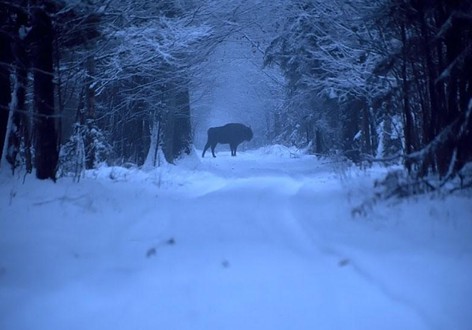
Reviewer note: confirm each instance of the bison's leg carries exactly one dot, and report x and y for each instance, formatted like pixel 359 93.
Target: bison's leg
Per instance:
pixel 233 149
pixel 205 149
pixel 213 146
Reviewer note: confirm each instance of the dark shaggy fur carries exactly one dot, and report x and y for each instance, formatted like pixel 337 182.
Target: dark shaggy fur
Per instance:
pixel 232 134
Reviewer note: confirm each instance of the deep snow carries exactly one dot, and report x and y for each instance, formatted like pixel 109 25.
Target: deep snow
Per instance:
pixel 264 240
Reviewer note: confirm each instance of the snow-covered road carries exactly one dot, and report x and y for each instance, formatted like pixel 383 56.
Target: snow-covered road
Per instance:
pixel 266 240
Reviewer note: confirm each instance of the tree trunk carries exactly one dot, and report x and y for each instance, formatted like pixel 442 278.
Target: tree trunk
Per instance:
pixel 5 88
pixel 408 118
pixel 20 130
pixel 367 143
pixel 319 145
pixel 350 130
pixel 152 159
pixel 177 132
pixel 182 131
pixel 168 135
pixel 457 42
pixel 89 110
pixel 46 157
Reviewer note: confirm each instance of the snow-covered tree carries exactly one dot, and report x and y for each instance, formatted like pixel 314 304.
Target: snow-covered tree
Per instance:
pixel 378 61
pixel 146 76
pixel 321 48
pixel 430 58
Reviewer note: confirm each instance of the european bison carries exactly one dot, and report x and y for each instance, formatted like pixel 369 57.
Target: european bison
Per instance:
pixel 232 134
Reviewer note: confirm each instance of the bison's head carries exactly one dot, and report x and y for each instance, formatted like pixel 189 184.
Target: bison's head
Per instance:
pixel 248 134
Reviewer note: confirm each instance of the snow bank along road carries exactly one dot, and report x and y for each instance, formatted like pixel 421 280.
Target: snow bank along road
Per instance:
pixel 260 241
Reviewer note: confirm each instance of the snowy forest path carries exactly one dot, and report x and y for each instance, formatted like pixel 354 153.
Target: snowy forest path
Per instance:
pixel 255 237
pixel 264 240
